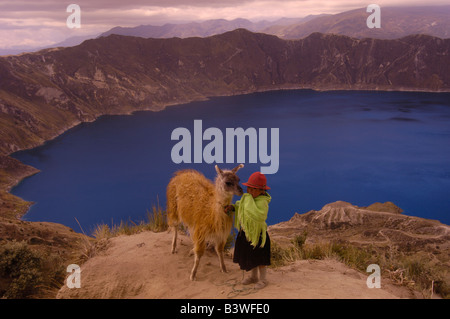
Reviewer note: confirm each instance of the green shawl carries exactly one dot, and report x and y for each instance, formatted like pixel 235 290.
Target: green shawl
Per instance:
pixel 251 215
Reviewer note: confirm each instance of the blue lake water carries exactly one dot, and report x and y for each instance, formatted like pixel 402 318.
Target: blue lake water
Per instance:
pixel 356 146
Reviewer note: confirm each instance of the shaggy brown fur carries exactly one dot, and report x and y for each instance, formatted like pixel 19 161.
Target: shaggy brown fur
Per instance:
pixel 199 204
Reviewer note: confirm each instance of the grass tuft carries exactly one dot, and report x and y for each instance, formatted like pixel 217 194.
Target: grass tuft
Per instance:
pixel 156 222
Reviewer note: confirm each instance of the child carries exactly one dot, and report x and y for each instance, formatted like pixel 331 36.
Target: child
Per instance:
pixel 252 247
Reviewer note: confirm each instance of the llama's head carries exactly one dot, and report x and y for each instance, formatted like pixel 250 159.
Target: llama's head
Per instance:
pixel 228 181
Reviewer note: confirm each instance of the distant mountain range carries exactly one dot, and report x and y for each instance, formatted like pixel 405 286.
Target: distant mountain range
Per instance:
pixel 43 94
pixel 397 22
pixel 170 30
pixel 203 29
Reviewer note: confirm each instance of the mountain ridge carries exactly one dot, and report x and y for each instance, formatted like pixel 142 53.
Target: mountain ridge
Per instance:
pixel 202 28
pixel 397 22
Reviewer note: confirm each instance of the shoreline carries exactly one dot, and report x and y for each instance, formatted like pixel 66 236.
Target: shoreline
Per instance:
pixel 15 180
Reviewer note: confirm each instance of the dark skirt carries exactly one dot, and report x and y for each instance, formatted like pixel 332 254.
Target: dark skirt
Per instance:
pixel 249 257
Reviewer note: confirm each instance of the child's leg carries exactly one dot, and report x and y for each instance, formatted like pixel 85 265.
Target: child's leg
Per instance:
pixel 253 277
pixel 262 282
pixel 262 273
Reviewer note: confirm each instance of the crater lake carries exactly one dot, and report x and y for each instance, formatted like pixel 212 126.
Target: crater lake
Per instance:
pixel 360 147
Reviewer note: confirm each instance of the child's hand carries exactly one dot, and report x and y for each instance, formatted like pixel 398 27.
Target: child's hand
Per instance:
pixel 229 208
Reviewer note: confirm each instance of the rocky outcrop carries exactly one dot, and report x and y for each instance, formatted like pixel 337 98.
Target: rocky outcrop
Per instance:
pixel 374 225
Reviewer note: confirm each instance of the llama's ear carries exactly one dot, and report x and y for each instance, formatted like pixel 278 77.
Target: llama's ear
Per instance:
pixel 218 170
pixel 234 170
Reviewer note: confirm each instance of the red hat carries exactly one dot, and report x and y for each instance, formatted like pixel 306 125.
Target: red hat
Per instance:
pixel 257 180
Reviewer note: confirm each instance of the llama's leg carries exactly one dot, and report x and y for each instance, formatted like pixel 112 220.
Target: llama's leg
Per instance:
pixel 174 240
pixel 199 249
pixel 219 250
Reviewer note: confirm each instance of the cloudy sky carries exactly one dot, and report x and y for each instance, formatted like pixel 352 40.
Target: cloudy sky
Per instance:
pixel 37 23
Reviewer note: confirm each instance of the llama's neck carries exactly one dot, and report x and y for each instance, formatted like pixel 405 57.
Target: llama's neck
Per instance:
pixel 223 198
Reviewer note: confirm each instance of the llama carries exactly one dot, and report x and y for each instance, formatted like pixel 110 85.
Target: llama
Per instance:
pixel 199 204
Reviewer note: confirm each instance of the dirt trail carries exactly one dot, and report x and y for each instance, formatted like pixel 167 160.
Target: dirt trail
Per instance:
pixel 141 266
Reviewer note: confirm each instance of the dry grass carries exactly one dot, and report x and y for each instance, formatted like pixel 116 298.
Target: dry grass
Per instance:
pixel 28 273
pixel 156 222
pixel 411 271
